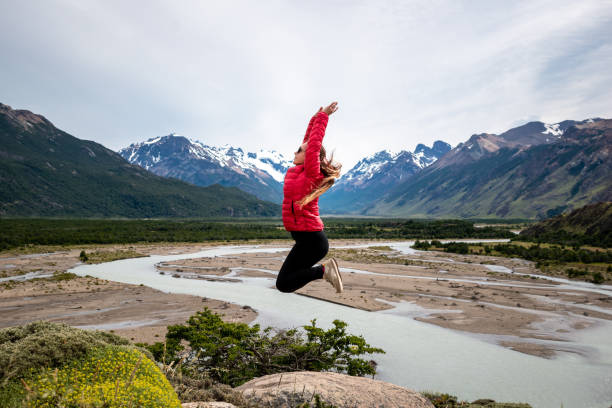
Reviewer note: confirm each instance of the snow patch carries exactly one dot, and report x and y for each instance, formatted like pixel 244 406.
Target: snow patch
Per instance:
pixel 152 141
pixel 552 129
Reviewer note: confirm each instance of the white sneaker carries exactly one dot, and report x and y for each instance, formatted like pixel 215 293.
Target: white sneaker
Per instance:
pixel 332 275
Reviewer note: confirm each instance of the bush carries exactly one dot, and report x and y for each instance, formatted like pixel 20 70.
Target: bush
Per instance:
pixel 45 364
pixel 233 353
pixel 440 400
pixel 192 386
pixel 576 273
pixel 424 245
pixel 598 278
pixel 112 376
pixel 44 344
pixel 456 247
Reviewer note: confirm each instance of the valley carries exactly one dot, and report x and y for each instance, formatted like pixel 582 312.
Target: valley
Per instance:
pixel 505 300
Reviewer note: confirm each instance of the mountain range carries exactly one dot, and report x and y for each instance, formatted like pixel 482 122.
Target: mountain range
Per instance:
pixel 47 172
pixel 532 171
pixel 536 170
pixel 260 174
pixel 377 174
pixel 521 173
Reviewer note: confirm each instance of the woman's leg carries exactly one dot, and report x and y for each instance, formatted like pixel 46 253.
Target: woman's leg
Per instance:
pixel 297 270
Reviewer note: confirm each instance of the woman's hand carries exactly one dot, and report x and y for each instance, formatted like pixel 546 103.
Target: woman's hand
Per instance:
pixel 331 108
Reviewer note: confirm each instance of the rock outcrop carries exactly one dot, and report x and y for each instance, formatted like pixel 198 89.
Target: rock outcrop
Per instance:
pixel 343 391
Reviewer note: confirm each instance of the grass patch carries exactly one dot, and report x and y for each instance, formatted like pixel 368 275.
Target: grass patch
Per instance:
pixel 98 257
pixel 381 248
pixel 59 277
pixel 369 256
pixel 441 400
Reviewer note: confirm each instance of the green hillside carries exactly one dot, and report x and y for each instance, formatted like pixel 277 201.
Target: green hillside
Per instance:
pixel 524 182
pixel 589 225
pixel 47 172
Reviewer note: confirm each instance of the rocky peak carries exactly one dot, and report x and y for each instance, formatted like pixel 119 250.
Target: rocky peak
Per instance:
pixel 23 118
pixel 477 146
pixel 441 147
pixel 521 137
pixel 438 149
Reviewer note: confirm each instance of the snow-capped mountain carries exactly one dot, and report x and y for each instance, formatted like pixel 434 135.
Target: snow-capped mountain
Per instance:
pixel 190 160
pixel 536 170
pixel 525 136
pixel 374 175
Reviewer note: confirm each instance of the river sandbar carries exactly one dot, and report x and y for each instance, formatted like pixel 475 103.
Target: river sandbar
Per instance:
pixel 452 291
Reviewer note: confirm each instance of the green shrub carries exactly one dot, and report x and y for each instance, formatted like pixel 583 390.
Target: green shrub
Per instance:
pixel 62 276
pixel 440 400
pixel 576 273
pixel 598 278
pixel 44 364
pixel 191 385
pixel 45 344
pixel 456 247
pixel 424 245
pixel 12 394
pixel 111 376
pixel 233 353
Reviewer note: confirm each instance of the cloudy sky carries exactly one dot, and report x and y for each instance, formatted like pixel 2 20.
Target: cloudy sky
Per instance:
pixel 251 73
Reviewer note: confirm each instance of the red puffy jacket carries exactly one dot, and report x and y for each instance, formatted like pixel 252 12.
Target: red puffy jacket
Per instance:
pixel 303 178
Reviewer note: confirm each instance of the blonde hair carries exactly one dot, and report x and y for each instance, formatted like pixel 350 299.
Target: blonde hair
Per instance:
pixel 330 170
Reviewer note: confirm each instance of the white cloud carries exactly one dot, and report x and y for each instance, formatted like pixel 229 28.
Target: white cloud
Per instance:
pixel 251 74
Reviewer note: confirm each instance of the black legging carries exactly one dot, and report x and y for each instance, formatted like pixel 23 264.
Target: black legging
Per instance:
pixel 297 270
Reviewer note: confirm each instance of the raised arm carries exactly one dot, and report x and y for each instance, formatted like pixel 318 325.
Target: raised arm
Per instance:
pixel 331 108
pixel 312 164
pixel 309 127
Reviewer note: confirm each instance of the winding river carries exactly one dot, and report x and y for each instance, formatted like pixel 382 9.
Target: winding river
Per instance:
pixel 419 356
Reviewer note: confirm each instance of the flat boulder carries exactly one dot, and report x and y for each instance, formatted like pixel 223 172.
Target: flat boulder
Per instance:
pixel 343 391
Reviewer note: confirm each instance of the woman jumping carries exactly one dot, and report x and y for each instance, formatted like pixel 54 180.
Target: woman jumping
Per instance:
pixel 312 175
